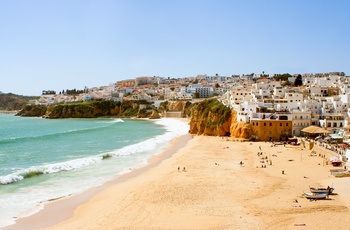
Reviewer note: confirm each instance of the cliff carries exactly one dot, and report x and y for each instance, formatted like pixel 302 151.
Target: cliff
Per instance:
pixel 183 106
pixel 208 117
pixel 212 118
pixel 11 102
pixel 90 110
pixel 32 111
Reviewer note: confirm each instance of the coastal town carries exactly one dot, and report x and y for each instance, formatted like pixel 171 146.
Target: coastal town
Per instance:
pixel 225 185
pixel 277 106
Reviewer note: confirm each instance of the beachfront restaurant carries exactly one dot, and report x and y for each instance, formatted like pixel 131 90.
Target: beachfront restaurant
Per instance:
pixel 314 131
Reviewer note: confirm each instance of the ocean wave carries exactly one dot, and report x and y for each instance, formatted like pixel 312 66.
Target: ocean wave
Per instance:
pixel 174 129
pixel 48 169
pixel 117 120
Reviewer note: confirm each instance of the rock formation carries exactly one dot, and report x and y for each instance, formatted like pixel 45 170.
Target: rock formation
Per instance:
pixel 212 118
pixel 208 117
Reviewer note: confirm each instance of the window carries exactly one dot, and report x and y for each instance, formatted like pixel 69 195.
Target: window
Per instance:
pixel 286 124
pixel 253 123
pixel 280 124
pixel 264 123
pixel 270 124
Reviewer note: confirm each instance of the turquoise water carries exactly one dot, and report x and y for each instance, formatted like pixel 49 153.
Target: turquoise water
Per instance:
pixel 68 156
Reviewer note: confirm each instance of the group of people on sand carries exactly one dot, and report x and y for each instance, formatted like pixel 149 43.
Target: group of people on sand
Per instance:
pixel 263 159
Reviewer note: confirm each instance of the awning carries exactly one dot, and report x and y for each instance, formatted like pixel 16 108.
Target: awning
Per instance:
pixel 314 130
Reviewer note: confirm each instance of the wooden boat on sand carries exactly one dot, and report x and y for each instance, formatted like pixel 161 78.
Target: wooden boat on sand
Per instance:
pixel 328 190
pixel 315 196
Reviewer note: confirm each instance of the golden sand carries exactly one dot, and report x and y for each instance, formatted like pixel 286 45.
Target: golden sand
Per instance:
pixel 215 192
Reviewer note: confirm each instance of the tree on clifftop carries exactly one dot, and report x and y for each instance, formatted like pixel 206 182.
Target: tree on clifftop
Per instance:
pixel 298 81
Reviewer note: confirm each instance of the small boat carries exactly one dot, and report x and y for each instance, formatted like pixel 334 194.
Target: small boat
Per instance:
pixel 336 160
pixel 336 163
pixel 315 196
pixel 328 190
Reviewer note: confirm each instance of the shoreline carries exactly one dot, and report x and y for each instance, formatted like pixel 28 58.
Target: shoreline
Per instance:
pixel 9 111
pixel 66 205
pixel 215 191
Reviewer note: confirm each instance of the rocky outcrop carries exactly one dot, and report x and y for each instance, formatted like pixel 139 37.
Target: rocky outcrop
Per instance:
pixel 32 111
pixel 212 118
pixel 208 117
pixel 240 130
pixel 84 110
pixel 183 106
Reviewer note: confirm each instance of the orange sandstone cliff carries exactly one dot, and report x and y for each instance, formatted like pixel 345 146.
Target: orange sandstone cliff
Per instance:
pixel 212 118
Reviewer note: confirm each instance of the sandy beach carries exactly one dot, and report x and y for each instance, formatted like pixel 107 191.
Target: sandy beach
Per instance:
pixel 199 184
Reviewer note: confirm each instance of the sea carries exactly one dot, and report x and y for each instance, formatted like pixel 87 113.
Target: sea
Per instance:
pixel 47 159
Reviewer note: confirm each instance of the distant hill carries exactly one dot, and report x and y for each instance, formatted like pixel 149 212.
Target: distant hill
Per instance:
pixel 11 102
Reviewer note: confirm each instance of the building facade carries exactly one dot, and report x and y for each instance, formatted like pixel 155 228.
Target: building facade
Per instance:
pixel 272 127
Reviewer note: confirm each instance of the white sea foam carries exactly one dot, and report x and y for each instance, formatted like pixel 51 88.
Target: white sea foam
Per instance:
pixel 90 174
pixel 116 120
pixel 50 168
pixel 175 128
pixel 12 178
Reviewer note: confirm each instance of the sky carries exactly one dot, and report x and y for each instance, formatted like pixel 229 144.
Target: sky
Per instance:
pixel 64 44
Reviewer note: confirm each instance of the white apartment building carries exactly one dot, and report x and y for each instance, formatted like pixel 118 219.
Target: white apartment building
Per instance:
pixel 326 81
pixel 216 78
pixel 183 95
pixel 273 84
pixel 294 100
pixel 205 92
pixel 300 119
pixel 314 105
pixel 315 91
pixel 309 81
pixel 245 110
pixel 333 122
pixel 344 88
pixel 278 92
pixel 281 104
pixel 331 105
pixel 260 85
pixel 202 91
pixel 261 93
pixel 238 95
